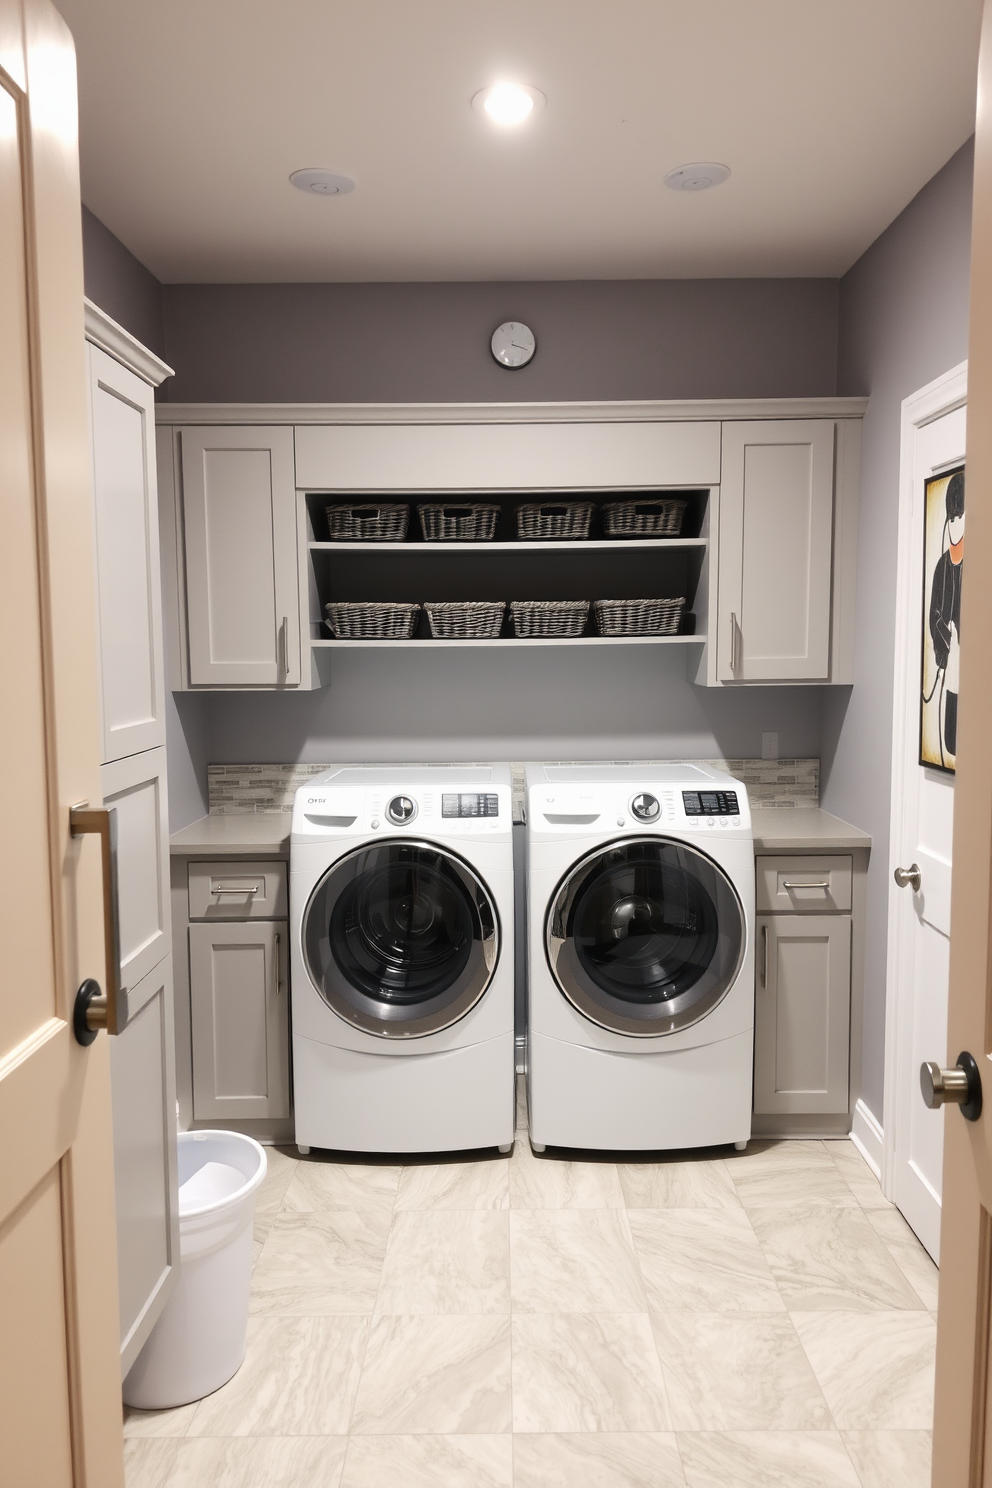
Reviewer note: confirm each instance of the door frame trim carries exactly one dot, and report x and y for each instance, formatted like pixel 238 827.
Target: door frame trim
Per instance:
pixel 942 396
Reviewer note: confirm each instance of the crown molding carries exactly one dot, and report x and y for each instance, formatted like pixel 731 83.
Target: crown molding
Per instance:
pixel 112 338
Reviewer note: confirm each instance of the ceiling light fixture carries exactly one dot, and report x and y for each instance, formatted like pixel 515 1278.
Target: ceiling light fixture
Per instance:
pixel 507 104
pixel 696 177
pixel 322 182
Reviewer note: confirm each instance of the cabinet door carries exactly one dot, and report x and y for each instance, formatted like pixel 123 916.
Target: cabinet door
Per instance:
pixel 136 788
pixel 239 1001
pixel 242 584
pixel 122 428
pixel 802 1014
pixel 776 523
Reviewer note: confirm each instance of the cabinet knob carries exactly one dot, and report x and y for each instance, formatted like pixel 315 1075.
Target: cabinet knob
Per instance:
pixel 906 877
pixel 961 1085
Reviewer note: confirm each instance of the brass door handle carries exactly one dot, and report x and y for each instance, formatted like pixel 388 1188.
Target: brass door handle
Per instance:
pixel 961 1085
pixel 107 1009
pixel 909 877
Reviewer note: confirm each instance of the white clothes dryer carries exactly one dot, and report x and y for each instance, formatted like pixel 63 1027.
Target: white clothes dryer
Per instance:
pixel 401 913
pixel 640 964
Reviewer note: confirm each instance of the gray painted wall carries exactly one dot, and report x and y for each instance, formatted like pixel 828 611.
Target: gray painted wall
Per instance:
pixel 116 281
pixel 700 338
pixel 903 322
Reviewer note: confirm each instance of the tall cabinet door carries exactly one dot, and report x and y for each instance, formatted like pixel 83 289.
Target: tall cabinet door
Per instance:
pixel 776 524
pixel 122 413
pixel 242 580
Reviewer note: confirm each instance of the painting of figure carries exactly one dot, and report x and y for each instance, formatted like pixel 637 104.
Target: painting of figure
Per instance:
pixel 943 568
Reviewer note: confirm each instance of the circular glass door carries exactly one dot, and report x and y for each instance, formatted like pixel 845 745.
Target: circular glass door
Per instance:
pixel 400 939
pixel 646 937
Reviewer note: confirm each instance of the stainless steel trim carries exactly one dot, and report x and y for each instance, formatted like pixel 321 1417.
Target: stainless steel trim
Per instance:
pixel 787 883
pixel 110 1010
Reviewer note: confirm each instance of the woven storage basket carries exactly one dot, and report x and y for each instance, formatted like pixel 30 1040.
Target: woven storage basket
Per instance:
pixel 465 620
pixel 444 522
pixel 371 620
pixel 538 520
pixel 662 518
pixel 369 522
pixel 627 617
pixel 549 617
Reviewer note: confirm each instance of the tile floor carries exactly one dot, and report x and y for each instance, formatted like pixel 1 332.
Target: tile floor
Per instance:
pixel 762 1318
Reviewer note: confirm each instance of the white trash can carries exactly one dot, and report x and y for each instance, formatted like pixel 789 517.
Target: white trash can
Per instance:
pixel 199 1341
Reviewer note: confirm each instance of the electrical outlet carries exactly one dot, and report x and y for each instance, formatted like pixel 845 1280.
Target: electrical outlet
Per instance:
pixel 769 746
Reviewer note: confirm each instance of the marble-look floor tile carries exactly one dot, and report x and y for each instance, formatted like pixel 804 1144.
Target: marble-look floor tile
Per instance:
pixel 446 1261
pixel 891 1459
pixel 299 1378
pixel 766 1459
pixel 824 1257
pixel 356 1188
pixel 429 1462
pixel 259 1462
pixel 149 1460
pixel 587 1372
pixel 573 1260
pixel 435 1376
pixel 320 1263
pixel 471 1185
pixel 597 1459
pixel 279 1170
pixel 908 1254
pixel 737 1372
pixel 702 1260
pixel 875 1368
pixel 784 1173
pixel 857 1174
pixel 548 1183
pixel 688 1184
pixel 158 1423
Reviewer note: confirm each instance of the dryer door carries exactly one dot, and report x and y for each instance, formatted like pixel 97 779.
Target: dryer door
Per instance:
pixel 400 939
pixel 646 937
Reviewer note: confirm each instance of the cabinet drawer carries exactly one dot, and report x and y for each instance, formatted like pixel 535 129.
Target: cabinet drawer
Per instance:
pixel 804 885
pixel 236 890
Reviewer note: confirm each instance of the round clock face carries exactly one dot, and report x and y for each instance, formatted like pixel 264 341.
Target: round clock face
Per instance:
pixel 513 344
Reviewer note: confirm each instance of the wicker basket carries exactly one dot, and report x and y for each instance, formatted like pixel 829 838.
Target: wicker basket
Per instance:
pixel 370 522
pixel 370 620
pixel 549 617
pixel 444 522
pixel 544 520
pixel 662 518
pixel 465 620
pixel 630 617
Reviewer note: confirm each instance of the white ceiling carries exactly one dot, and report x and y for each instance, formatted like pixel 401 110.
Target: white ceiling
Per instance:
pixel 831 114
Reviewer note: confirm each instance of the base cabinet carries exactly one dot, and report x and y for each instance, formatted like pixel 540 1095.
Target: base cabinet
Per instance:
pixel 802 1014
pixel 239 995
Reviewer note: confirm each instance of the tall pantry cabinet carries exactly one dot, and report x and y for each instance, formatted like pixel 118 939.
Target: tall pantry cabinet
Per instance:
pixel 122 376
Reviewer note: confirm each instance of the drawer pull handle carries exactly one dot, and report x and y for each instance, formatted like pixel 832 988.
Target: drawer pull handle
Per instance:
pixel 249 889
pixel 787 883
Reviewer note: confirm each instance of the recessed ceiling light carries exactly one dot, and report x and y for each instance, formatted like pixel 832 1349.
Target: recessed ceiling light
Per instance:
pixel 696 177
pixel 322 182
pixel 509 103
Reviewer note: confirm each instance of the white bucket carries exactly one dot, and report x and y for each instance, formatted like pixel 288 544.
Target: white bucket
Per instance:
pixel 199 1341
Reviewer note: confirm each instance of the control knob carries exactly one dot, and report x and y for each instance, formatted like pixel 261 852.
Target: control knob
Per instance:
pixel 401 809
pixel 645 807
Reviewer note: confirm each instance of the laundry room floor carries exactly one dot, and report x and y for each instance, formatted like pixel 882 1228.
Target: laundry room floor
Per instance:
pixel 728 1320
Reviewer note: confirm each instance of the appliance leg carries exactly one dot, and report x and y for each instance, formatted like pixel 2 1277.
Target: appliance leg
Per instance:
pixel 537 1146
pixel 303 1149
pixel 740 1146
pixel 505 1147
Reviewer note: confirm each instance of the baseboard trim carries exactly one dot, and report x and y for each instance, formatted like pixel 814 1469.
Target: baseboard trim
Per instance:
pixel 868 1137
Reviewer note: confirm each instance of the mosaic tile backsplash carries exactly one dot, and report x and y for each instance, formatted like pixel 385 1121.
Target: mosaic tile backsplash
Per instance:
pixel 242 790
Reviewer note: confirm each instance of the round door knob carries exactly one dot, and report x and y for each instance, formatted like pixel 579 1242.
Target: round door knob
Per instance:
pixel 961 1085
pixel 645 807
pixel 401 809
pixel 906 877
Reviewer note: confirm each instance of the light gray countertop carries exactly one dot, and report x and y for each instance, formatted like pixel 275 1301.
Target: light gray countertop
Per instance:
pixel 267 833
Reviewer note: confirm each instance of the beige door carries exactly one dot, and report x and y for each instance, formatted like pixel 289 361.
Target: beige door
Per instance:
pixel 962 1450
pixel 60 1416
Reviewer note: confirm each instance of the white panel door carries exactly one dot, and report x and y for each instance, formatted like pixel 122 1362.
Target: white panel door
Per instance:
pixel 122 425
pixel 136 788
pixel 802 1014
pixel 776 523
pixel 242 572
pixel 143 1081
pixel 240 1017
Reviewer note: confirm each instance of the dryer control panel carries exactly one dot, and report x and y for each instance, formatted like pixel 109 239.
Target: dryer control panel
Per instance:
pixel 396 809
pixel 652 806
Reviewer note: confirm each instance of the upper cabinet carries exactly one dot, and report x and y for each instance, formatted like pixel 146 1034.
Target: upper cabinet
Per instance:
pixel 240 552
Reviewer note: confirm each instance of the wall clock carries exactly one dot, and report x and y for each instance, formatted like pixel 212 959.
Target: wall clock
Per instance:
pixel 513 344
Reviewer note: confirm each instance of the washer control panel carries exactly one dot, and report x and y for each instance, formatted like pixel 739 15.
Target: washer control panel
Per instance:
pixel 710 803
pixel 582 809
pixel 472 804
pixel 388 809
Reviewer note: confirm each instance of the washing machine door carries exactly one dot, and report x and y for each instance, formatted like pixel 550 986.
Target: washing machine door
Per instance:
pixel 646 937
pixel 400 939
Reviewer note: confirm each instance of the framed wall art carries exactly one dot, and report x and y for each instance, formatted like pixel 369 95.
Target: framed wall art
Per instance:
pixel 943 568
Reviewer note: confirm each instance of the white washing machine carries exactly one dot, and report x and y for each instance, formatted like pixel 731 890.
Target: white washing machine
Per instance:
pixel 401 912
pixel 640 964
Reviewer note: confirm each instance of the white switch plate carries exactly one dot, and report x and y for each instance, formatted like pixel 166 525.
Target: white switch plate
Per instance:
pixel 769 746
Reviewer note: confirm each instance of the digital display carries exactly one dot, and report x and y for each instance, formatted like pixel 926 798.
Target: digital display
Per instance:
pixel 710 803
pixel 469 805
